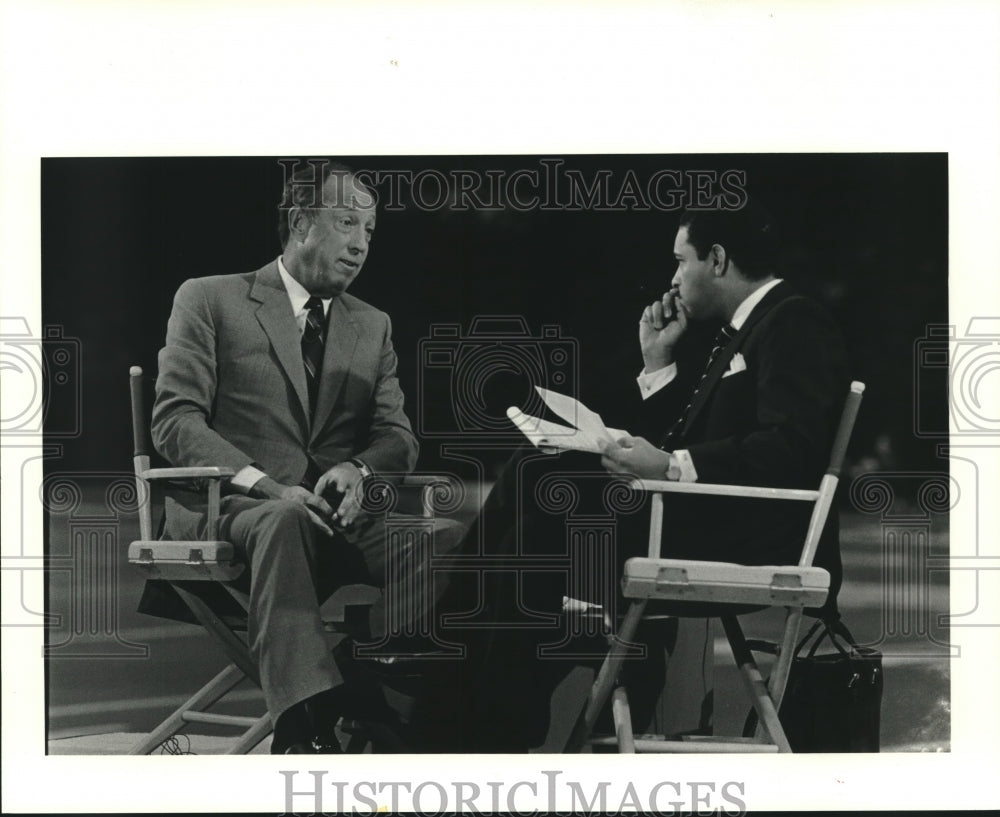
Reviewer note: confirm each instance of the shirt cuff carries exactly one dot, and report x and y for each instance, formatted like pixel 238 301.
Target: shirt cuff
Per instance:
pixel 686 465
pixel 651 382
pixel 244 479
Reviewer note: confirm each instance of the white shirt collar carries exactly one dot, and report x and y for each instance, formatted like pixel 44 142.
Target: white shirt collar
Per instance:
pixel 297 293
pixel 744 309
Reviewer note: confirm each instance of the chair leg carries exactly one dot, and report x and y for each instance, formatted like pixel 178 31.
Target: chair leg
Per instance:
pixel 779 674
pixel 606 677
pixel 767 713
pixel 202 699
pixel 778 679
pixel 234 646
pixel 623 721
pixel 254 735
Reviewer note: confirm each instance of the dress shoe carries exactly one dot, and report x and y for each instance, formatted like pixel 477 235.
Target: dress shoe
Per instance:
pixel 396 655
pixel 319 745
pixel 307 728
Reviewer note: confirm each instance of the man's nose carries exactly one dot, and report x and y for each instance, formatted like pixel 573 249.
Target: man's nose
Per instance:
pixel 676 280
pixel 359 240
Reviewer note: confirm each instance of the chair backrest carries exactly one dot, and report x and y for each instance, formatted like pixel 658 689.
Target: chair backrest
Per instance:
pixel 828 485
pixel 141 449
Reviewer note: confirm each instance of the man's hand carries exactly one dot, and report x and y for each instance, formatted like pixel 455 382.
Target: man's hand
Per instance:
pixel 660 327
pixel 319 509
pixel 346 479
pixel 635 456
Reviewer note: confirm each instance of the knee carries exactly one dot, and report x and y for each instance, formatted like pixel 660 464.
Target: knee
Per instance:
pixel 284 515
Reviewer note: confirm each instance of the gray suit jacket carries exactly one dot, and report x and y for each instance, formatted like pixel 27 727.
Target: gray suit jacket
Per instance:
pixel 231 389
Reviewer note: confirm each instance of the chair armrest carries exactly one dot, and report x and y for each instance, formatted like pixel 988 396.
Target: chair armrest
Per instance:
pixel 665 487
pixel 197 472
pixel 213 487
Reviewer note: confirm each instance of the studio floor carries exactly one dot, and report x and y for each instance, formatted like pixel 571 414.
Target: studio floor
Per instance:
pixel 108 686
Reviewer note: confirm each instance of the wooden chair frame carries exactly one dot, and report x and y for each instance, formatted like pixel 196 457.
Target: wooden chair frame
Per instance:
pixel 725 590
pixel 179 562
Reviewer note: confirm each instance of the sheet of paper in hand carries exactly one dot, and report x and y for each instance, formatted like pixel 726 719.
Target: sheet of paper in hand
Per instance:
pixel 586 431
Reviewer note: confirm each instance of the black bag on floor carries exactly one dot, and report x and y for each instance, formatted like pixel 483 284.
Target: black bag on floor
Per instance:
pixel 832 701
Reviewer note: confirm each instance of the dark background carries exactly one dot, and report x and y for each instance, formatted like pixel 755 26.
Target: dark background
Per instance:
pixel 865 233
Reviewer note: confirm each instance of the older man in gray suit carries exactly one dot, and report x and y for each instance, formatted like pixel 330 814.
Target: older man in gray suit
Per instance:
pixel 283 377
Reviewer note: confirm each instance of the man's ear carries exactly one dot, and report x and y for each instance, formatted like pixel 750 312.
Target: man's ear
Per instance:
pixel 299 220
pixel 720 260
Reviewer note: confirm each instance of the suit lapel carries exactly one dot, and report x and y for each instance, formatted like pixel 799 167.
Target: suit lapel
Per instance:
pixel 721 364
pixel 341 341
pixel 278 322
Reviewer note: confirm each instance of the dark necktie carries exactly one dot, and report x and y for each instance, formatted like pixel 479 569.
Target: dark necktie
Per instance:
pixel 722 340
pixel 312 348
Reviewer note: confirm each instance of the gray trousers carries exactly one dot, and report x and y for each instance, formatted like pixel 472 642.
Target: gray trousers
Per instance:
pixel 293 568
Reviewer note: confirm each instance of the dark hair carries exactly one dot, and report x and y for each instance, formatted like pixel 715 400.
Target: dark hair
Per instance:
pixel 304 188
pixel 748 236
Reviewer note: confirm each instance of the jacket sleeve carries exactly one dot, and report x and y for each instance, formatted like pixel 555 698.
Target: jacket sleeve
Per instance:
pixel 800 368
pixel 390 446
pixel 186 386
pixel 654 416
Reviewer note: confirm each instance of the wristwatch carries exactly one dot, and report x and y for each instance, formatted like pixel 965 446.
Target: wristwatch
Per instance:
pixel 365 471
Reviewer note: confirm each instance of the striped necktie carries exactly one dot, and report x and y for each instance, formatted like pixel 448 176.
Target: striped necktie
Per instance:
pixel 312 348
pixel 722 340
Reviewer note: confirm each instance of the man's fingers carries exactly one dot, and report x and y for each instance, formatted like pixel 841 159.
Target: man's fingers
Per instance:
pixel 318 505
pixel 322 485
pixel 659 320
pixel 318 522
pixel 612 465
pixel 348 509
pixel 667 305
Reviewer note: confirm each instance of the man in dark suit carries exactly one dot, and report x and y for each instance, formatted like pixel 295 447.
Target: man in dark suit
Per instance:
pixel 285 378
pixel 759 406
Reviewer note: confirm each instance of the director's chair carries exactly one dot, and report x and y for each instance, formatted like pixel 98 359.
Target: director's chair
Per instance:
pixel 724 590
pixel 193 568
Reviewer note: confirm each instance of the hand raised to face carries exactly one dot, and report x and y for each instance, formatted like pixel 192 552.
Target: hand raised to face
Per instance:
pixel 662 324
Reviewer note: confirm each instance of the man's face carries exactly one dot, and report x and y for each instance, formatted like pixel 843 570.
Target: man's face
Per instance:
pixel 336 244
pixel 695 280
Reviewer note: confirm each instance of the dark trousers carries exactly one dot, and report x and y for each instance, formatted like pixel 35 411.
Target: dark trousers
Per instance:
pixel 551 527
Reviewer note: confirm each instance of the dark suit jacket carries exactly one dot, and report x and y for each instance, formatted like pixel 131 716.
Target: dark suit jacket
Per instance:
pixel 771 424
pixel 231 389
